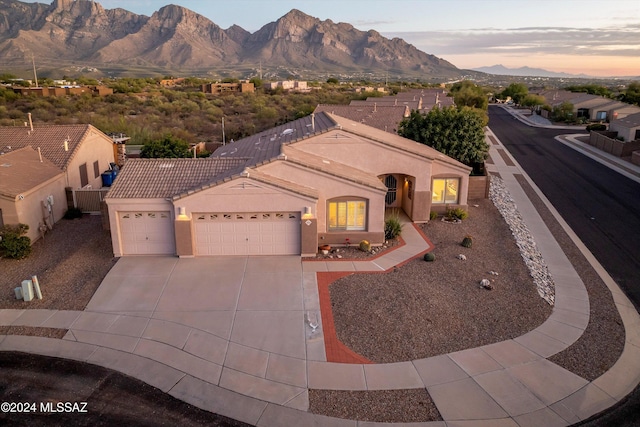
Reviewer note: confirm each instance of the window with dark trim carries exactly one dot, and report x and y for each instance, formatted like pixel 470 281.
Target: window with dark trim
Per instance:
pixel 347 215
pixel 84 178
pixel 445 190
pixel 96 169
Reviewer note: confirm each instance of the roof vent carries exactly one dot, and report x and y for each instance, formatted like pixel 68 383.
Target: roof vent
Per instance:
pixel 165 165
pixel 288 131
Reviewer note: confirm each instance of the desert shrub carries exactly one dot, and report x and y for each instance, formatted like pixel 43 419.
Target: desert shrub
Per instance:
pixel 429 257
pixel 457 213
pixel 392 227
pixel 433 215
pixel 14 243
pixel 597 126
pixel 467 242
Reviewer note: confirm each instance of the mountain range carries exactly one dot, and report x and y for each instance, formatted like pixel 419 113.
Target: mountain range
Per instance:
pixel 501 70
pixel 174 39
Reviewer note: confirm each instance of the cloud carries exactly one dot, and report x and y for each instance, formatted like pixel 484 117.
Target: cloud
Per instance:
pixel 610 41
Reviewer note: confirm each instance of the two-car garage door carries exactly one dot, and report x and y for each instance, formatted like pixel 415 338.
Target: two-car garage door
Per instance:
pixel 264 233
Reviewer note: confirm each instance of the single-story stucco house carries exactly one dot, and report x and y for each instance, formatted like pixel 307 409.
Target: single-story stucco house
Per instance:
pixel 81 151
pixel 321 179
pixel 31 190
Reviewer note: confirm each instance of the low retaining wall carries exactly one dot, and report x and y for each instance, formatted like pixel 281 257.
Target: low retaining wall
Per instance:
pixel 635 158
pixel 605 141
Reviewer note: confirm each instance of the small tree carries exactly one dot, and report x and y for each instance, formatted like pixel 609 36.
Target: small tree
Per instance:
pixel 169 147
pixel 468 94
pixel 517 92
pixel 563 112
pixel 458 133
pixel 533 101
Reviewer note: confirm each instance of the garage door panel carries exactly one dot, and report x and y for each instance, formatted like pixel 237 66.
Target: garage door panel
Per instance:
pixel 247 233
pixel 146 233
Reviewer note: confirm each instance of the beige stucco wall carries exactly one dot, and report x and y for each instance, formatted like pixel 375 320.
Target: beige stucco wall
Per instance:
pixel 378 159
pixel 96 146
pixel 245 195
pixel 30 210
pixel 131 205
pixel 331 187
pixel 366 155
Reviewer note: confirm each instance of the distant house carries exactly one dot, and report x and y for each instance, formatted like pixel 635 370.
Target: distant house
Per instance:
pixel 627 128
pixel 321 179
pixel 32 190
pixel 82 152
pixel 218 88
pixel 290 85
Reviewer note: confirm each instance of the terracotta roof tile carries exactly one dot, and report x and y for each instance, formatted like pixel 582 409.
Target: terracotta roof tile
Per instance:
pixel 21 170
pixel 165 178
pixel 50 138
pixel 383 117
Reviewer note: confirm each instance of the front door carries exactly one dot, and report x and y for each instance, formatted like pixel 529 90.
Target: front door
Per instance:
pixel 392 189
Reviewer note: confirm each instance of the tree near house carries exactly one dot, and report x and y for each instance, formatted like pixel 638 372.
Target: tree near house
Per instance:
pixel 456 132
pixel 468 94
pixel 563 112
pixel 517 92
pixel 168 147
pixel 533 101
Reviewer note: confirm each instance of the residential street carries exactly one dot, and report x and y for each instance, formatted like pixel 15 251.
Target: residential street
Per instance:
pixel 601 206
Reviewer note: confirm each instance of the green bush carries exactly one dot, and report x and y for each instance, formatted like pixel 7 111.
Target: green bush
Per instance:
pixel 433 215
pixel 597 126
pixel 457 213
pixel 392 227
pixel 429 257
pixel 14 243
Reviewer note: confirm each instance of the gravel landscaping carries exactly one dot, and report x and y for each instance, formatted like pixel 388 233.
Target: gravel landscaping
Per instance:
pixel 70 263
pixel 426 309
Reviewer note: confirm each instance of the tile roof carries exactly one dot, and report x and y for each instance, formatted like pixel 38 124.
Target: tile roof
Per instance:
pixel 21 170
pixel 265 146
pixel 384 117
pixel 50 138
pixel 164 178
pixel 630 121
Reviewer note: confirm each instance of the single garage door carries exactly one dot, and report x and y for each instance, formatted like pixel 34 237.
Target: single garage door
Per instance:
pixel 147 233
pixel 265 233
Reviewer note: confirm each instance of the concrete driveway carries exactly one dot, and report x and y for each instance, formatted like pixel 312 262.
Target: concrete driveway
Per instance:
pixel 238 322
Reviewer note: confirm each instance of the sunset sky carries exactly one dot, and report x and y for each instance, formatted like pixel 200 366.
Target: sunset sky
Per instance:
pixel 599 38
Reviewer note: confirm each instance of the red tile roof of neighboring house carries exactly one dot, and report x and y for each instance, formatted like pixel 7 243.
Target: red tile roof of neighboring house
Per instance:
pixel 21 170
pixel 383 117
pixel 164 178
pixel 49 138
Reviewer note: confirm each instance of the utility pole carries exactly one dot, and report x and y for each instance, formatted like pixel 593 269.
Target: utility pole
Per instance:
pixel 223 137
pixel 35 76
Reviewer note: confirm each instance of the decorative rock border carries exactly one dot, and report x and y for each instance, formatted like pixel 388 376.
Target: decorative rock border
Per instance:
pixel 538 270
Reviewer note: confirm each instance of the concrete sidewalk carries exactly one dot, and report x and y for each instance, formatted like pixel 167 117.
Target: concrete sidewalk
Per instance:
pixel 234 336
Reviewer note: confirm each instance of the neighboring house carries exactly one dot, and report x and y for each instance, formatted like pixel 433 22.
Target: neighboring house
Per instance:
pixel 32 190
pixel 620 112
pixel 291 85
pixel 383 117
pixel 322 179
pixel 218 88
pixel 628 128
pixel 82 152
